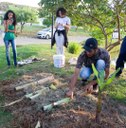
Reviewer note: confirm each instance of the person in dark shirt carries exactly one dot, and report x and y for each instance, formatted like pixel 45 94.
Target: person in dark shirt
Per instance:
pixel 121 58
pixel 92 54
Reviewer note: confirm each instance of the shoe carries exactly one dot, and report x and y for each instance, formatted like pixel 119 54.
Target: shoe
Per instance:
pixel 95 89
pixel 16 65
pixel 83 82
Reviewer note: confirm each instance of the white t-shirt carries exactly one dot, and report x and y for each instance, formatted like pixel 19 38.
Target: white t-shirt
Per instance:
pixel 65 20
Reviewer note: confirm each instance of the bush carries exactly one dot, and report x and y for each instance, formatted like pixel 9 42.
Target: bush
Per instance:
pixel 47 22
pixel 74 48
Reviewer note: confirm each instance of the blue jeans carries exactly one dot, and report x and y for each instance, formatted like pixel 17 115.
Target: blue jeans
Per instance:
pixel 7 43
pixel 87 71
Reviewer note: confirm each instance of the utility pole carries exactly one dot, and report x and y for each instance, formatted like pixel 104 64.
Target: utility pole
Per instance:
pixel 52 21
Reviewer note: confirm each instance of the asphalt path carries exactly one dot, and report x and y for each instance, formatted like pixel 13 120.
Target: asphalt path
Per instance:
pixel 29 40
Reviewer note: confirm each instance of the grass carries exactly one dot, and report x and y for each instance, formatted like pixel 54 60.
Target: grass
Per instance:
pixel 117 90
pixel 44 51
pixel 23 52
pixel 5 116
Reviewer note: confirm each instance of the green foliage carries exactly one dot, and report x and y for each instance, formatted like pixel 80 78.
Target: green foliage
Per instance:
pixel 25 16
pixel 102 83
pixel 100 78
pixel 47 22
pixel 5 117
pixel 74 48
pixel 96 16
pixel 118 90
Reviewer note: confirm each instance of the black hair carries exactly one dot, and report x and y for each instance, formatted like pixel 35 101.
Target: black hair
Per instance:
pixel 63 11
pixel 14 16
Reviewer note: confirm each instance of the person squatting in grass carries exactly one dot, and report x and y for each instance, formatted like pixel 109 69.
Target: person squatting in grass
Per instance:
pixel 10 30
pixel 62 25
pixel 92 54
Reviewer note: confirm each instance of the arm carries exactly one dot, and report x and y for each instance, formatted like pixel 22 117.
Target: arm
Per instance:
pixel 5 26
pixel 74 79
pixel 89 87
pixel 67 26
pixel 73 82
pixel 56 25
pixel 106 73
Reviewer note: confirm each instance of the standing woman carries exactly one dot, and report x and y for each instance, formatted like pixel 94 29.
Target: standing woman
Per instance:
pixel 10 30
pixel 62 25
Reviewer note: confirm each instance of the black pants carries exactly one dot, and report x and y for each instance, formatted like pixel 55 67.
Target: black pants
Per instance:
pixel 122 57
pixel 120 63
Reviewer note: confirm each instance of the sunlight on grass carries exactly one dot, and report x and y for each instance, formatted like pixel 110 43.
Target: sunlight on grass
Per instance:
pixel 117 90
pixel 27 51
pixel 5 117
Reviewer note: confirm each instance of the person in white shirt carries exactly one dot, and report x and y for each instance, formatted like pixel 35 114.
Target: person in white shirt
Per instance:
pixel 62 25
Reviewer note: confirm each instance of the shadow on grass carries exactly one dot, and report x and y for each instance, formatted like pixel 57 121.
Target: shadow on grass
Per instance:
pixel 5 117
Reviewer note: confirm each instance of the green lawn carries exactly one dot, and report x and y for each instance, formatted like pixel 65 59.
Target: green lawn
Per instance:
pixel 43 51
pixel 23 52
pixel 117 90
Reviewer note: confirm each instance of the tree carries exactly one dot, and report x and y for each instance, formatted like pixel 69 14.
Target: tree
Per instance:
pixel 24 16
pixel 98 17
pixel 102 84
pixel 47 22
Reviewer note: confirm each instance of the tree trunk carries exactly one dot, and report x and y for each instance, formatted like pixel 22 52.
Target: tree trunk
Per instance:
pixel 98 108
pixel 125 24
pixel 22 26
pixel 76 28
pixel 118 27
pixel 106 41
pixel 111 46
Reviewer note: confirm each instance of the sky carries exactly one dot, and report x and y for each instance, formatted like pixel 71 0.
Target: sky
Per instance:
pixel 33 3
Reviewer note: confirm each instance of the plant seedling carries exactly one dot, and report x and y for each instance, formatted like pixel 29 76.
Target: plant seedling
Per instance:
pixel 102 84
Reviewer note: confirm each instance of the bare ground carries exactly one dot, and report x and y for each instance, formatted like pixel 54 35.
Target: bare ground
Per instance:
pixel 79 113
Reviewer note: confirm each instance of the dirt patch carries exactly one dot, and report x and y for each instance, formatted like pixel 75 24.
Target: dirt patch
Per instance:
pixel 79 113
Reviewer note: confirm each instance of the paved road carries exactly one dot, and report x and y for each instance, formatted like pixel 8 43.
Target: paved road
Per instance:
pixel 28 40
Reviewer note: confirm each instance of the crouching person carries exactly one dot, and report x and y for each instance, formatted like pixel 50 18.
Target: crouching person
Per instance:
pixel 91 54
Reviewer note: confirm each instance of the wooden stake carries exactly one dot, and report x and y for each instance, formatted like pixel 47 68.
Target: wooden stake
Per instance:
pixel 37 93
pixel 50 78
pixel 60 102
pixel 14 102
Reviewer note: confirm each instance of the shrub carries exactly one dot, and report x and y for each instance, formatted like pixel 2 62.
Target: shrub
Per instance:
pixel 74 48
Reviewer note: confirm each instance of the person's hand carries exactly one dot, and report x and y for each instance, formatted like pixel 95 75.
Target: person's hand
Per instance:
pixel 89 88
pixel 70 94
pixel 8 22
pixel 62 25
